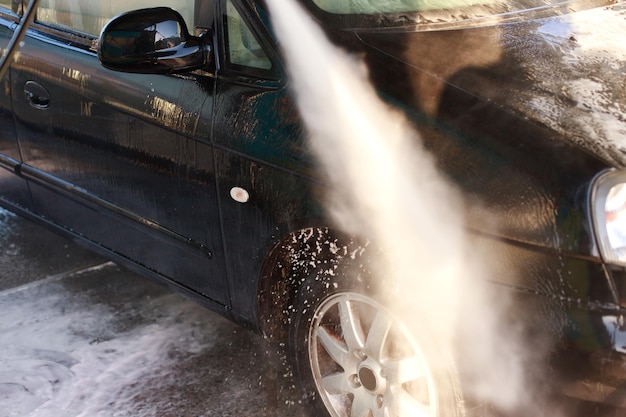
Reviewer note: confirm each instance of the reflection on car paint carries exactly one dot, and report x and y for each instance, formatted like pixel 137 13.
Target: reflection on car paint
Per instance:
pixel 171 114
pixel 75 75
pixel 85 108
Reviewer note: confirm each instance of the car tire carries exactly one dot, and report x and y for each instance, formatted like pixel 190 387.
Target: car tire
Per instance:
pixel 346 346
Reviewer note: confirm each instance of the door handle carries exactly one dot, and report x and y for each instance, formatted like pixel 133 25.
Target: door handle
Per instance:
pixel 37 95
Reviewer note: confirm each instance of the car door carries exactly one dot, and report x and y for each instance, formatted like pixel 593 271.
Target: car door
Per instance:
pixel 259 148
pixel 121 160
pixel 13 189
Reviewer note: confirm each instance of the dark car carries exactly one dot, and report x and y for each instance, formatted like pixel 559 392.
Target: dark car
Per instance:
pixel 184 157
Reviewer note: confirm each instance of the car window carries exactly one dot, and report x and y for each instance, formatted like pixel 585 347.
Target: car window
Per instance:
pixel 10 5
pixel 242 47
pixel 91 16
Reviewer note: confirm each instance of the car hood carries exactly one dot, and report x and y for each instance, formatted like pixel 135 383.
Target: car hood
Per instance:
pixel 521 115
pixel 566 73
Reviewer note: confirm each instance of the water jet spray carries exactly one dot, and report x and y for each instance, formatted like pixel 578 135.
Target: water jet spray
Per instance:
pixel 386 188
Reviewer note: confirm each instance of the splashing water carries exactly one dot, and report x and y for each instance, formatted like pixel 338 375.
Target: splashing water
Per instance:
pixel 386 187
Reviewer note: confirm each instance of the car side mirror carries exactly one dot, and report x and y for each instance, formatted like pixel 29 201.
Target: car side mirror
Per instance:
pixel 151 41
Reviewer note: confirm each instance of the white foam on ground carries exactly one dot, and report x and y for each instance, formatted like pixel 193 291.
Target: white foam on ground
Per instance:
pixel 64 355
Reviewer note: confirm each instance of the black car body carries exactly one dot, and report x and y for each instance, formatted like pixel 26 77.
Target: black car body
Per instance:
pixel 196 172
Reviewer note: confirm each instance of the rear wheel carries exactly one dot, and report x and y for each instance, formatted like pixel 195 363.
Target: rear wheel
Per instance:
pixel 354 358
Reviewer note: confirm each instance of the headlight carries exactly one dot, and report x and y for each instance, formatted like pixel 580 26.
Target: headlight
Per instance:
pixel 608 214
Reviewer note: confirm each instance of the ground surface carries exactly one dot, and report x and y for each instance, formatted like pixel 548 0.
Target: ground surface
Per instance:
pixel 80 336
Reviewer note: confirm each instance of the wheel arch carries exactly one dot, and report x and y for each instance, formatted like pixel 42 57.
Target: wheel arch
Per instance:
pixel 294 258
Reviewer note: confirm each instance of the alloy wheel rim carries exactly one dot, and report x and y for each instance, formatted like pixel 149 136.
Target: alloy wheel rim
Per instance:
pixel 366 363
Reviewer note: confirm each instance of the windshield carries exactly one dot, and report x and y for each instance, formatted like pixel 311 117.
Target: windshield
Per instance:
pixel 437 14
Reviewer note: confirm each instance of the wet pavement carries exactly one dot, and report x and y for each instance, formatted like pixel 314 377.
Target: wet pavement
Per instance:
pixel 80 336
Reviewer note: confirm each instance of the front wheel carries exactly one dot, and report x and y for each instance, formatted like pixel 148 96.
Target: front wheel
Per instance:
pixel 354 358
